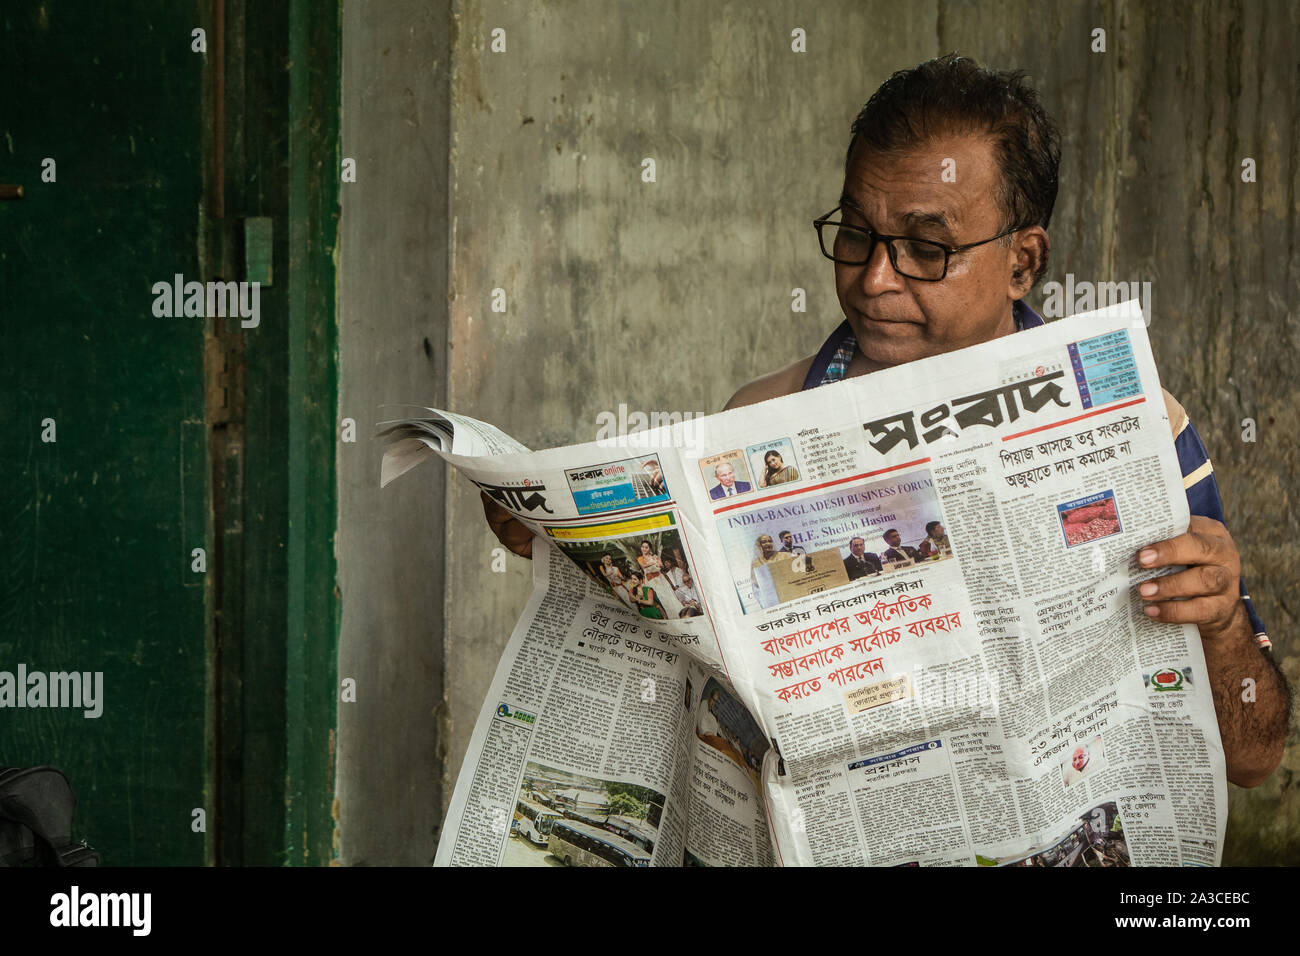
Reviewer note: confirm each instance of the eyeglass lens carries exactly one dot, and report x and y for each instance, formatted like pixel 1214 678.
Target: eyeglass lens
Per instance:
pixel 911 257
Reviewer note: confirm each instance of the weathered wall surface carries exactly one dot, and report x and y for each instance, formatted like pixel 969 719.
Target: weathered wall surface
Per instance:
pixel 392 348
pixel 669 295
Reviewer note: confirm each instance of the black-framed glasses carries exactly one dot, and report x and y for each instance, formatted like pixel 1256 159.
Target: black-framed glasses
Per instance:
pixel 914 258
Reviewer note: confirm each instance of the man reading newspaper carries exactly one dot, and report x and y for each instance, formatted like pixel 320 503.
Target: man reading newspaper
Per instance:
pixel 938 236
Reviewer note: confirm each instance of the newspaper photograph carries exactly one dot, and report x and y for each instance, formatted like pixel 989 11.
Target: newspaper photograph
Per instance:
pixel 892 621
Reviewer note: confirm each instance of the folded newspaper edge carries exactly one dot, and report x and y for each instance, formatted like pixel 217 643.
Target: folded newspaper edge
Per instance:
pixel 890 621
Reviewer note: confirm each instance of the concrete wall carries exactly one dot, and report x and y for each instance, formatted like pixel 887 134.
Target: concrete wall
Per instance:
pixel 392 348
pixel 669 295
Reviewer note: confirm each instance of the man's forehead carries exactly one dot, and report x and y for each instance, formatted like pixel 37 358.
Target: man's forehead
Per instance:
pixel 941 183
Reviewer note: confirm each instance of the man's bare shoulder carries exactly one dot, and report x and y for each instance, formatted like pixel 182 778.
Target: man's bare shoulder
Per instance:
pixel 784 381
pixel 1177 414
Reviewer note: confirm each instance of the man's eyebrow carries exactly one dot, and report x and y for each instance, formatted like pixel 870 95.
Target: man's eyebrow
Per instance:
pixel 915 218
pixel 937 220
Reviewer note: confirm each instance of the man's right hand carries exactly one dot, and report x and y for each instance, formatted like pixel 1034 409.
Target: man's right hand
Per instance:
pixel 510 531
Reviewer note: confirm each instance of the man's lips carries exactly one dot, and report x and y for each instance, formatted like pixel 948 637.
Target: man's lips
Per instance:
pixel 883 320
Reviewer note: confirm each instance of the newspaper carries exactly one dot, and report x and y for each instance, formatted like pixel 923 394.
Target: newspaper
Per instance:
pixel 890 621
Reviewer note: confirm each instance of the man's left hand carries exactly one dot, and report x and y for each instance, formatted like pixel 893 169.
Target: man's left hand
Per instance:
pixel 1208 590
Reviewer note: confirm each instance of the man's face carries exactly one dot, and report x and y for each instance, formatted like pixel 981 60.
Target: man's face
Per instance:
pixel 1080 758
pixel 898 319
pixel 726 475
pixel 938 532
pixel 787 539
pixel 893 539
pixel 857 546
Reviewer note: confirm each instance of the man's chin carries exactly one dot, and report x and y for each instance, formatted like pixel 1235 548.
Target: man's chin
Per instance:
pixel 888 337
pixel 892 343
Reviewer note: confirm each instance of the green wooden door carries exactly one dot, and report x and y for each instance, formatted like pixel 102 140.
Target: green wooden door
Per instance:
pixel 129 439
pixel 104 489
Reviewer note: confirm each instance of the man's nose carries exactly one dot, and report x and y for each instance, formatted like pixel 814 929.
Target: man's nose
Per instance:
pixel 878 273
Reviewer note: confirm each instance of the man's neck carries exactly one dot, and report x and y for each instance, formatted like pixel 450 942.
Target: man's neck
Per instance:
pixel 861 365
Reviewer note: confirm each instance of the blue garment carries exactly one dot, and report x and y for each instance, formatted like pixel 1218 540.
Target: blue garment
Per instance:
pixel 833 359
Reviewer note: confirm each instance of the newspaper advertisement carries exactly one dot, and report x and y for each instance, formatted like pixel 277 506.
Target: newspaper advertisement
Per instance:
pixel 891 621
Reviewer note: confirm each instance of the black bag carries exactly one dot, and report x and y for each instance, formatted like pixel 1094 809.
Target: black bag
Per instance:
pixel 36 807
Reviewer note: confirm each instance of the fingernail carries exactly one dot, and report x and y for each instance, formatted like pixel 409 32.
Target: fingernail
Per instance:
pixel 1153 610
pixel 1148 589
pixel 1147 556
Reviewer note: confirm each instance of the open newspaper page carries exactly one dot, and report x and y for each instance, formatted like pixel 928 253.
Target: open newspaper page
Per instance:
pixel 610 734
pixel 578 756
pixel 584 752
pixel 916 587
pixel 950 651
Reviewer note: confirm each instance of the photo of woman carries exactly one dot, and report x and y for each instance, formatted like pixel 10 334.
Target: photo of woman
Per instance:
pixel 649 561
pixel 672 571
pixel 776 471
pixel 655 555
pixel 645 599
pixel 610 570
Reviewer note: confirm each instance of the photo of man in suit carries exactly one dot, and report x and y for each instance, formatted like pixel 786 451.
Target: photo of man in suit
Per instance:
pixel 727 485
pixel 860 563
pixel 897 551
pixel 795 551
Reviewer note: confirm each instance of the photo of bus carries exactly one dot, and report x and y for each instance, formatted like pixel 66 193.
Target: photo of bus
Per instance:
pixel 580 844
pixel 633 831
pixel 626 828
pixel 532 820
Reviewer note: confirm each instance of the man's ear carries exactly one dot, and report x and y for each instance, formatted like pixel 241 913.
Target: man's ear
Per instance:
pixel 1030 250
